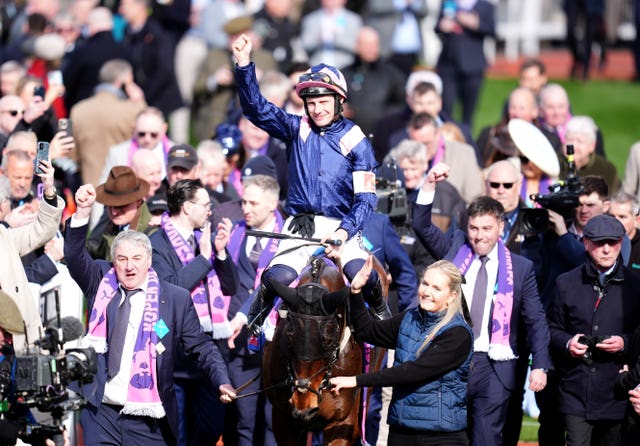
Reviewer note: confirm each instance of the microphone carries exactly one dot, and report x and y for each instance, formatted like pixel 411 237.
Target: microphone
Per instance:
pixel 72 328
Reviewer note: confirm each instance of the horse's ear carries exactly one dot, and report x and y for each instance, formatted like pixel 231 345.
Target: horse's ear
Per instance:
pixel 286 293
pixel 331 301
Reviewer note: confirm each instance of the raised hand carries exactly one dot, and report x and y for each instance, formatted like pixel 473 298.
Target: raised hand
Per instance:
pixel 85 197
pixel 242 50
pixel 362 276
pixel 222 236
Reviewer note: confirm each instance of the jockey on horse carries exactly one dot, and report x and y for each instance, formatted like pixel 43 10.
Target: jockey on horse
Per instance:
pixel 331 180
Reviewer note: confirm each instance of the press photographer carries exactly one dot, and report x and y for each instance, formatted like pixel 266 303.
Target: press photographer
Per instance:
pixel 38 379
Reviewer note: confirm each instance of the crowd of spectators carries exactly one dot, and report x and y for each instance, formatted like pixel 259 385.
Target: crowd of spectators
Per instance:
pixel 139 102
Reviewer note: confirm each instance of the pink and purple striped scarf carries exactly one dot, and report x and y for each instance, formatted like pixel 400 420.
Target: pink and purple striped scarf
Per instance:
pixel 211 305
pixel 142 395
pixel 499 347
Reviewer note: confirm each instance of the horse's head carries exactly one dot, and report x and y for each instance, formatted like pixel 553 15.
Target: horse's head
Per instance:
pixel 314 333
pixel 320 292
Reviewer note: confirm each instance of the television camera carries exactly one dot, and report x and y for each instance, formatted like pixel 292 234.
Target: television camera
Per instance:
pixel 564 198
pixel 392 197
pixel 38 379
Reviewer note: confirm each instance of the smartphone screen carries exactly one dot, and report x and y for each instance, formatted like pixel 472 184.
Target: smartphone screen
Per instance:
pixel 41 154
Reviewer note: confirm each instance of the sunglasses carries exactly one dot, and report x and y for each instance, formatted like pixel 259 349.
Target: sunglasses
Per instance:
pixel 524 160
pixel 151 134
pixel 13 113
pixel 496 185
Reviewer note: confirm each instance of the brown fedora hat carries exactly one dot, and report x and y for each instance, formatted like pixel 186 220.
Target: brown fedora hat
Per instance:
pixel 122 187
pixel 10 317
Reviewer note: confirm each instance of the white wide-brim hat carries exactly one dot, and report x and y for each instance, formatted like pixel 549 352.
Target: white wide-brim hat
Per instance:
pixel 532 144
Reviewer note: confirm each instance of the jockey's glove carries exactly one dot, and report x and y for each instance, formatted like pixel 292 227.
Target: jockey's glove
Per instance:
pixel 303 225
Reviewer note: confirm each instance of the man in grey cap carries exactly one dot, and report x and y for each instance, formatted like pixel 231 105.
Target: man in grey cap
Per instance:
pixel 594 312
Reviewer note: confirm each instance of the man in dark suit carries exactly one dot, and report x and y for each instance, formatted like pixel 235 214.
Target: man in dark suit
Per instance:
pixel 461 64
pixel 501 293
pixel 152 52
pixel 252 255
pixel 82 66
pixel 185 254
pixel 136 335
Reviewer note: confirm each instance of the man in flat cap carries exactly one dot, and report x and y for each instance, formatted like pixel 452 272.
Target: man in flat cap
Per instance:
pixel 123 195
pixel 215 87
pixel 594 312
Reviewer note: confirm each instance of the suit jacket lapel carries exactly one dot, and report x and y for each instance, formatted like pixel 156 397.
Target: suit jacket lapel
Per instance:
pixel 163 314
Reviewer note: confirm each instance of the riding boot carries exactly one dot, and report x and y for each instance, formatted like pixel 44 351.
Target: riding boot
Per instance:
pixel 260 307
pixel 373 296
pixel 263 300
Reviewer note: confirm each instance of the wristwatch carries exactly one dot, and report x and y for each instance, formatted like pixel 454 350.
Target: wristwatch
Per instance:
pixel 52 196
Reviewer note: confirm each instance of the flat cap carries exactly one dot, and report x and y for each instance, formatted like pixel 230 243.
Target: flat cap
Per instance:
pixel 238 25
pixel 603 227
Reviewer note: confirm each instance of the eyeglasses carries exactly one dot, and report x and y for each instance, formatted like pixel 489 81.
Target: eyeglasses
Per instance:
pixel 524 160
pixel 13 113
pixel 206 205
pixel 496 185
pixel 151 134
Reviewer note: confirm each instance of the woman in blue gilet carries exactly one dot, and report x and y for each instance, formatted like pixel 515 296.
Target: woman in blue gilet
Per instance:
pixel 433 344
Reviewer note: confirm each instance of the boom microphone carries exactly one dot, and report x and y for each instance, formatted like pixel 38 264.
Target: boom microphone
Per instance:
pixel 72 328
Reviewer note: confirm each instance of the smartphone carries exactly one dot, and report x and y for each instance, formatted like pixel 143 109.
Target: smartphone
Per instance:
pixel 39 91
pixel 64 125
pixel 54 77
pixel 41 154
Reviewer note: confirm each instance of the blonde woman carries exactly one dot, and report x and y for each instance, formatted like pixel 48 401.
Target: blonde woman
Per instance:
pixel 433 344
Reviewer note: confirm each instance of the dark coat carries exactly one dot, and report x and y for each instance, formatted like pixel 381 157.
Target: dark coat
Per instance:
pixel 587 390
pixel 81 71
pixel 465 51
pixel 152 52
pixel 177 311
pixel 374 89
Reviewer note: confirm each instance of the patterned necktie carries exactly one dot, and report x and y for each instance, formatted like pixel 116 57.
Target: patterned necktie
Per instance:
pixel 254 255
pixel 479 297
pixel 119 333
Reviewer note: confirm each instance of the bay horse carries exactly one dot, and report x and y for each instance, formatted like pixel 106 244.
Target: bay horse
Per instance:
pixel 311 344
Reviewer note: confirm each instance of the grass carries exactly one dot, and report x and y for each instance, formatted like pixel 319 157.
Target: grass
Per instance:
pixel 529 430
pixel 613 105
